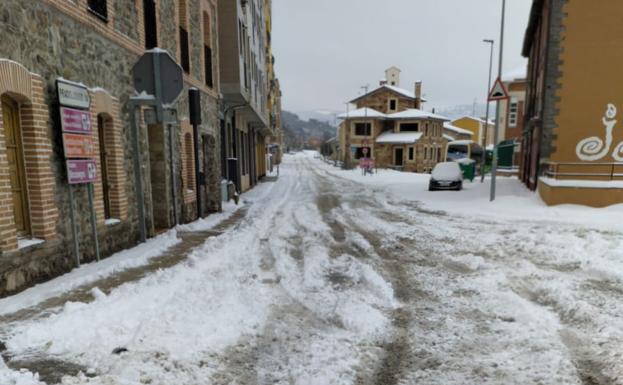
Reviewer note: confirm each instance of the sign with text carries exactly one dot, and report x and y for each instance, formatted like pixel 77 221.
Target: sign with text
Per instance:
pixel 81 171
pixel 75 121
pixel 73 94
pixel 78 146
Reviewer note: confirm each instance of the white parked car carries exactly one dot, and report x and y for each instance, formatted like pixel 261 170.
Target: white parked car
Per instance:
pixel 446 176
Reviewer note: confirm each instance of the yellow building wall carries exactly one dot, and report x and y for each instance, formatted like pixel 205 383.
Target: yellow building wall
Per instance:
pixel 588 136
pixel 470 125
pixel 592 62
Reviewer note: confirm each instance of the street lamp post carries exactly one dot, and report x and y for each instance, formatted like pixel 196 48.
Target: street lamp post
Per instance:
pixel 494 165
pixel 483 162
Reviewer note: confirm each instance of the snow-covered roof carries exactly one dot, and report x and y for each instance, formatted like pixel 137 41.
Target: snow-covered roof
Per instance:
pixel 416 114
pixel 462 142
pixel 519 73
pixel 362 113
pixel 473 118
pixel 398 137
pixel 398 90
pixel 448 138
pixel 450 127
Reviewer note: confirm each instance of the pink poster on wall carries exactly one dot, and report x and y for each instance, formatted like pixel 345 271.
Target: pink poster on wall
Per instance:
pixel 81 171
pixel 75 121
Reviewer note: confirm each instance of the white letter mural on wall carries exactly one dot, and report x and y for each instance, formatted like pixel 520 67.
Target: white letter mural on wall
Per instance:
pixel 594 148
pixel 618 153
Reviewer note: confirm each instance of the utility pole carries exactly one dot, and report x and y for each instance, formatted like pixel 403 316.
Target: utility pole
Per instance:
pixel 483 163
pixel 346 160
pixel 494 165
pixel 365 109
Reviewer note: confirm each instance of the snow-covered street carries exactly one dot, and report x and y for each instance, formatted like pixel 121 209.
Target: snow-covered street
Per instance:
pixel 326 277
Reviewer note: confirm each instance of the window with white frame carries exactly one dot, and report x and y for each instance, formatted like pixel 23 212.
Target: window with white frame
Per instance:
pixel 513 111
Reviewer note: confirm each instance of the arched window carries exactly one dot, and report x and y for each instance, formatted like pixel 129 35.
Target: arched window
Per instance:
pixel 27 182
pixel 111 198
pixel 17 170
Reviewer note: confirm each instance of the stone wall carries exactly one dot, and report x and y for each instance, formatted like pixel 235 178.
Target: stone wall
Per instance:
pixel 80 47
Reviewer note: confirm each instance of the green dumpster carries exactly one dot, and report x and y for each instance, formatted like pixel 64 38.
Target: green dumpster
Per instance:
pixel 468 167
pixel 506 151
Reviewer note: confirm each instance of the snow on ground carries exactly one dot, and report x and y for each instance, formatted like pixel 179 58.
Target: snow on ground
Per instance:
pixel 86 273
pixel 91 272
pixel 336 278
pixel 204 224
pixel 513 200
pixel 10 377
pixel 177 324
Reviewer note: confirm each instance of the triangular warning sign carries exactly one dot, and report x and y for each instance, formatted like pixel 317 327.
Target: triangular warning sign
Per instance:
pixel 498 92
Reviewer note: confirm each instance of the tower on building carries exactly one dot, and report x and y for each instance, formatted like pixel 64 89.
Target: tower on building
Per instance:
pixel 392 75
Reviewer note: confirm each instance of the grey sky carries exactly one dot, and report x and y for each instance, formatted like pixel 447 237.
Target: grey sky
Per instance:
pixel 327 49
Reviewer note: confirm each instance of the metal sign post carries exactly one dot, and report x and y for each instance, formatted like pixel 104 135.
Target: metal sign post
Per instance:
pixel 74 228
pixel 93 222
pixel 79 150
pixel 494 165
pixel 159 81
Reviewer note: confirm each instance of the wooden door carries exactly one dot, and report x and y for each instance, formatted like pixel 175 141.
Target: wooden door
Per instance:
pixel 398 157
pixel 15 156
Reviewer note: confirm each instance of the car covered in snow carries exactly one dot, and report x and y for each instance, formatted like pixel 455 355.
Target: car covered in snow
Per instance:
pixel 446 176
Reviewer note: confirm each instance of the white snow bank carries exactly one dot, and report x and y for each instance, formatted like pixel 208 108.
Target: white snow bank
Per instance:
pixel 23 377
pixel 513 200
pixel 204 224
pixel 137 256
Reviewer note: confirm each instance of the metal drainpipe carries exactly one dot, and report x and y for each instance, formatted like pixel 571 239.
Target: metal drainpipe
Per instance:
pixel 173 175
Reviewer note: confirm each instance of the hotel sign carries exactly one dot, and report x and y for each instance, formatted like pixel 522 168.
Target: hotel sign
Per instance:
pixel 73 95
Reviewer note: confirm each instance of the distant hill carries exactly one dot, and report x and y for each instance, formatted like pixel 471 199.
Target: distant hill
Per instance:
pixel 298 132
pixel 460 111
pixel 326 116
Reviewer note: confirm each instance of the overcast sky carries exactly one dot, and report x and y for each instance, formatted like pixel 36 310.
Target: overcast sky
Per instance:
pixel 327 49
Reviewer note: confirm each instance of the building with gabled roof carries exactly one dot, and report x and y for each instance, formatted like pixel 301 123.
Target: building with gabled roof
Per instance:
pixel 390 125
pixel 456 133
pixel 477 127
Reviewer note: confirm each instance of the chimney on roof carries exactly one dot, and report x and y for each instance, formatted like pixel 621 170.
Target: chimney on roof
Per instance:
pixel 418 95
pixel 383 82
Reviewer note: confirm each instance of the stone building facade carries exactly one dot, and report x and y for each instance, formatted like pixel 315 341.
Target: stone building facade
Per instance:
pixel 97 43
pixel 389 125
pixel 245 128
pixel 572 145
